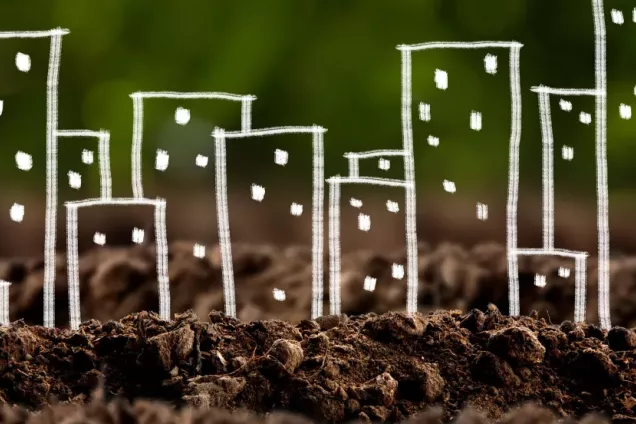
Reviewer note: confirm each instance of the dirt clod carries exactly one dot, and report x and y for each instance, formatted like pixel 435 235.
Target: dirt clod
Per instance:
pixel 289 353
pixel 394 326
pixel 490 369
pixel 621 339
pixel 169 349
pixel 517 345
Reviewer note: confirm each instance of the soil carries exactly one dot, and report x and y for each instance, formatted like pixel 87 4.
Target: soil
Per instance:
pixel 385 367
pixel 368 364
pixel 117 281
pixel 146 412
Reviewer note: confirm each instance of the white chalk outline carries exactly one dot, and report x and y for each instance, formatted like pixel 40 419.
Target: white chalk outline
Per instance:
pixel 34 34
pixel 335 252
pixel 138 122
pixel 407 143
pixel 4 302
pixel 410 213
pixel 370 154
pixel 220 140
pixel 72 209
pixel 542 89
pixel 600 95
pixel 470 45
pixel 580 274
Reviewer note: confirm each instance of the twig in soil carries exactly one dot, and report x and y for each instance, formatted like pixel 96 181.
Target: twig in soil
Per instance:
pixel 252 359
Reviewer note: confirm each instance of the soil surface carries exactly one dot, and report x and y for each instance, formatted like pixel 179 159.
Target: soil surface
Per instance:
pixel 115 282
pixel 373 363
pixel 373 367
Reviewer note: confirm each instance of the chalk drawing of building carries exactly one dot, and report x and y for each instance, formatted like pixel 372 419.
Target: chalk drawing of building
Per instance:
pixel 384 159
pixel 72 213
pixel 24 160
pixel 599 119
pixel 274 137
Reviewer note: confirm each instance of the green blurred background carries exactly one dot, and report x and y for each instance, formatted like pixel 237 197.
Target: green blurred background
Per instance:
pixel 328 62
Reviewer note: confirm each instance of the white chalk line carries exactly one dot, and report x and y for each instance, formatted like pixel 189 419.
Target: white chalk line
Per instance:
pixel 547 171
pixel 542 89
pixel 105 178
pixel 161 241
pixel 410 207
pixel 50 234
pixel 4 302
pixel 410 225
pixel 34 34
pixel 263 132
pixel 318 224
pixel 224 223
pixel 79 133
pixel 114 201
pixel 580 281
pixel 380 182
pixel 191 95
pixel 550 252
pixel 73 267
pixel 460 45
pixel 601 164
pixel 334 248
pixel 354 167
pixel 513 181
pixel 138 119
pixel 374 154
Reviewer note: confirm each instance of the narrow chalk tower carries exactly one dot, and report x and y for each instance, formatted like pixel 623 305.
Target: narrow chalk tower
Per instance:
pixel 354 181
pixel 285 170
pixel 30 69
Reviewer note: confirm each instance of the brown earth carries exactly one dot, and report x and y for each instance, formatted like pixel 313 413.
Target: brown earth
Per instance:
pixel 370 367
pixel 115 282
pixel 386 367
pixel 146 412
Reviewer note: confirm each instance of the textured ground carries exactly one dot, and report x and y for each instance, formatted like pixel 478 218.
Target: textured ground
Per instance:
pixel 379 367
pixel 144 412
pixel 370 364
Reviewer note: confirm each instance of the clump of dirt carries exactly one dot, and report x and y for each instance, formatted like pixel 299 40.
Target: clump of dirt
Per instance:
pixel 115 282
pixel 384 368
